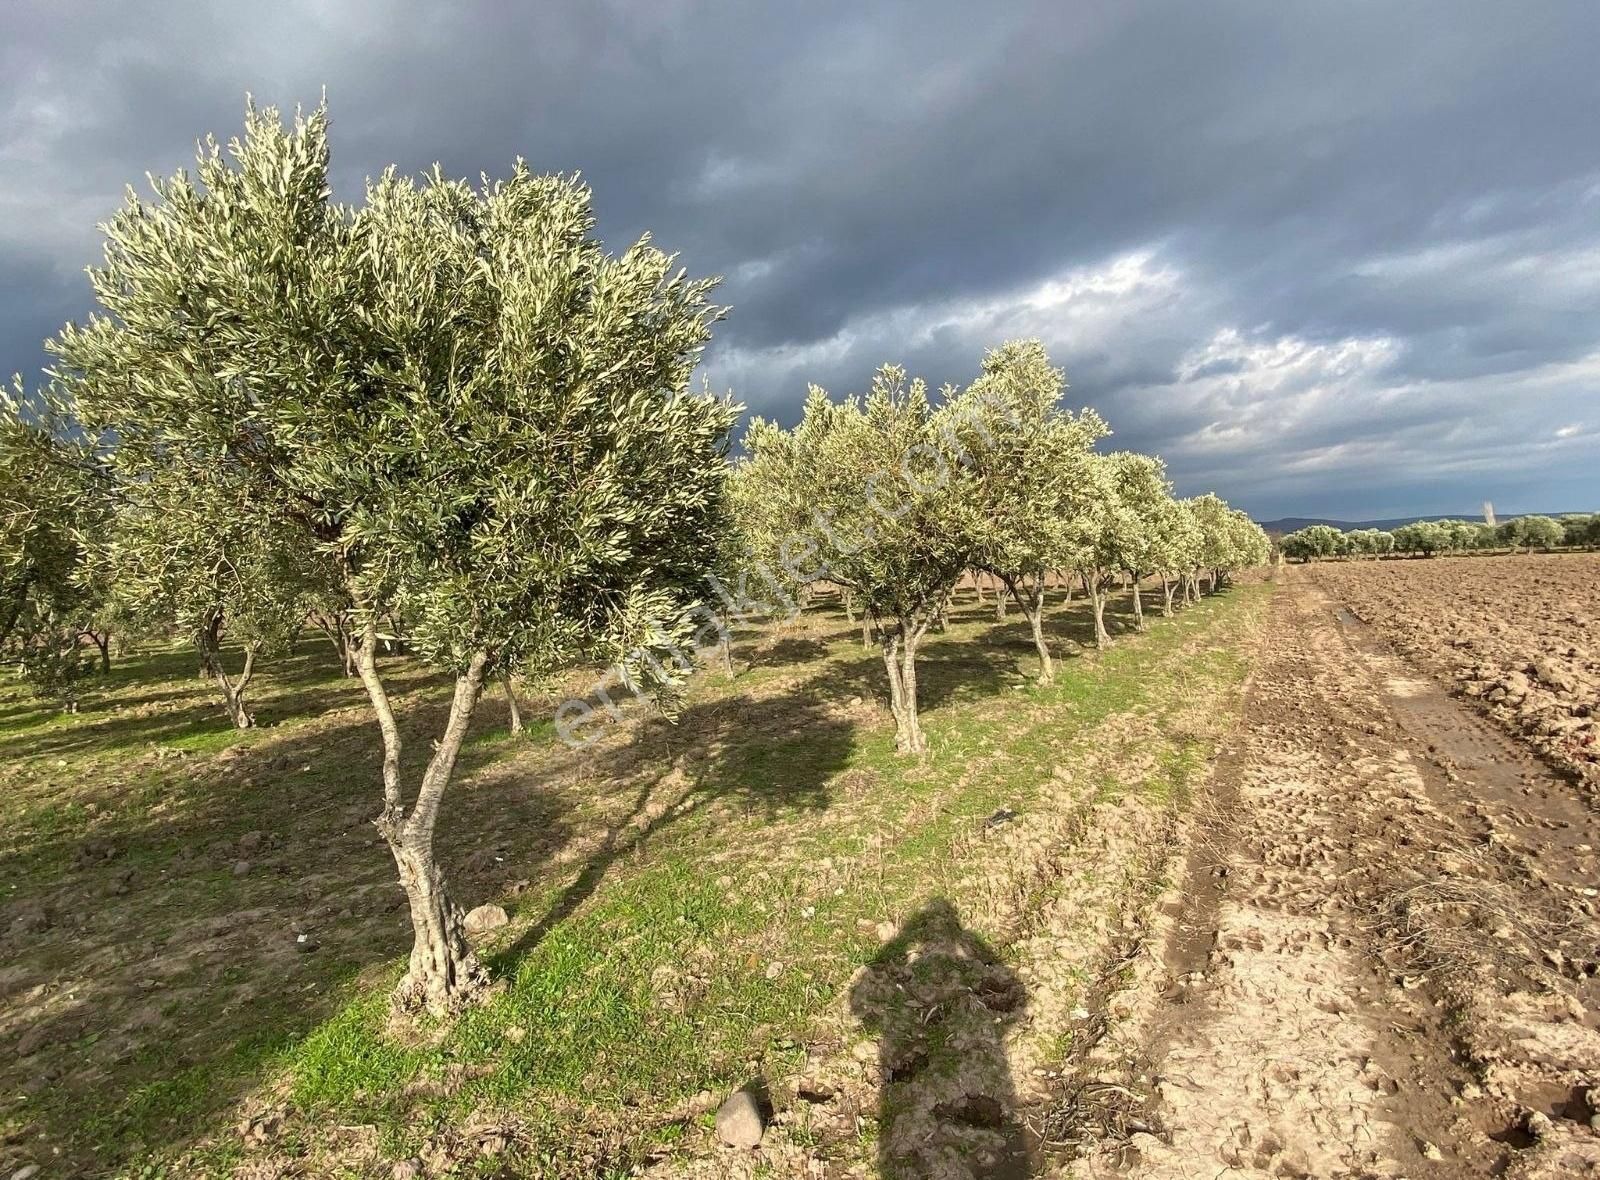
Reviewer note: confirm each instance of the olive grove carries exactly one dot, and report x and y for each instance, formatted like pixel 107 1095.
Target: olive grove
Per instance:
pixel 446 425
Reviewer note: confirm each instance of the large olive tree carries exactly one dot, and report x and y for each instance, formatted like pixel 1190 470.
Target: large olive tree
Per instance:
pixel 469 405
pixel 864 494
pixel 1024 459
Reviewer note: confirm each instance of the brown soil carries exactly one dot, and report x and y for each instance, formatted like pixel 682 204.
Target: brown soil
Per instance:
pixel 1381 959
pixel 1515 633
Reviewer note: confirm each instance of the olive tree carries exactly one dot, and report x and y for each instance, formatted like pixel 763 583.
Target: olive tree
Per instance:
pixel 208 562
pixel 1576 528
pixel 54 505
pixel 1023 458
pixel 865 494
pixel 457 394
pixel 1215 551
pixel 1099 529
pixel 1422 536
pixel 1177 547
pixel 1530 532
pixel 1142 490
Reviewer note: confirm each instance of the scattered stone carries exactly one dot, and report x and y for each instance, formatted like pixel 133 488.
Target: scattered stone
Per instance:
pixel 814 1090
pixel 32 919
pixel 885 931
pixel 486 918
pixel 739 1120
pixel 774 969
pixel 26 1172
pixel 1004 816
pixel 305 944
pixel 1429 1151
pixel 33 1040
pixel 240 868
pixel 410 1169
pixel 251 841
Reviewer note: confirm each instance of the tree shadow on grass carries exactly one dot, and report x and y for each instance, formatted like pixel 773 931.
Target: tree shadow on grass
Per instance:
pixel 770 757
pixel 165 923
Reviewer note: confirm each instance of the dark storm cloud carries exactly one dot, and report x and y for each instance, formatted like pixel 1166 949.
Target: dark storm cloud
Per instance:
pixel 1333 259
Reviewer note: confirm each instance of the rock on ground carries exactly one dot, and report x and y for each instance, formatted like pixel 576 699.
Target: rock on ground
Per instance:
pixel 739 1120
pixel 486 918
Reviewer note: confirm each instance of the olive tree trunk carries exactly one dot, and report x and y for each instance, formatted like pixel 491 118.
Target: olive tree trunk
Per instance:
pixel 443 974
pixel 1138 601
pixel 899 642
pixel 511 705
pixel 1095 586
pixel 999 599
pixel 1030 597
pixel 102 642
pixel 1166 595
pixel 209 640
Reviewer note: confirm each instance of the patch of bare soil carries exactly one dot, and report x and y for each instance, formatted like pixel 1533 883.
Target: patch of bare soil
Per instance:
pixel 1517 634
pixel 1382 959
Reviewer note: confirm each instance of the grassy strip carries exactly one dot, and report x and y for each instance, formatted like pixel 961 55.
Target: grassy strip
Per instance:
pixel 772 833
pixel 674 979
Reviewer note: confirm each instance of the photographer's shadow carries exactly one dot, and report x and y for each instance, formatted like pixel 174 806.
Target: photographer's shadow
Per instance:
pixel 940 1003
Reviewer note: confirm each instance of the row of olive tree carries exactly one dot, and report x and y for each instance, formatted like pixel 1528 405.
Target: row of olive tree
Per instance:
pixel 1428 537
pixel 448 416
pixel 894 497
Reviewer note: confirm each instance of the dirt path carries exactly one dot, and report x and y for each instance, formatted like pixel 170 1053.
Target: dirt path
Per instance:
pixel 1382 962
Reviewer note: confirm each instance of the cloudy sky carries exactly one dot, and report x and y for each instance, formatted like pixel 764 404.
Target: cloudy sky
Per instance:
pixel 1337 259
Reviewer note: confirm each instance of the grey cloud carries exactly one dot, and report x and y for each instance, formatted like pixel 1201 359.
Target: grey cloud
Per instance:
pixel 902 181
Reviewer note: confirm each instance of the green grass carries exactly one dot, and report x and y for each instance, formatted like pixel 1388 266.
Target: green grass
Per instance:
pixel 632 977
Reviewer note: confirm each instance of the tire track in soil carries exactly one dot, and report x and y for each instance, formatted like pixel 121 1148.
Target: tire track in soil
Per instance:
pixel 1382 963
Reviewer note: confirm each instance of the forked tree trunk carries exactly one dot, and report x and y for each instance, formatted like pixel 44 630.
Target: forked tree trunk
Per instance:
pixel 444 973
pixel 209 641
pixel 849 606
pixel 1166 594
pixel 103 643
pixel 900 660
pixel 343 638
pixel 1096 590
pixel 1030 597
pixel 511 705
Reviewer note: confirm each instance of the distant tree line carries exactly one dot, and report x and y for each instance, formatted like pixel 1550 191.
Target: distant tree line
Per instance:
pixel 1429 537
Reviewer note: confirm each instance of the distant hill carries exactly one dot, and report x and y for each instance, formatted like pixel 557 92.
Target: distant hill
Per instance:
pixel 1290 524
